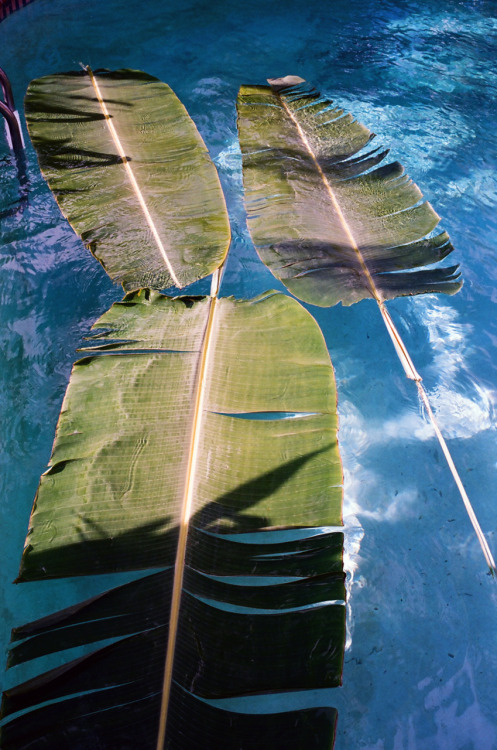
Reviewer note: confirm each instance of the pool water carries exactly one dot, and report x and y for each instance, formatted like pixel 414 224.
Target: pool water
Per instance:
pixel 420 668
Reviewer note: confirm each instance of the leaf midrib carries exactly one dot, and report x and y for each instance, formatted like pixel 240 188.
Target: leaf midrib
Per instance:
pixel 186 514
pixel 132 178
pixel 397 341
pixel 334 201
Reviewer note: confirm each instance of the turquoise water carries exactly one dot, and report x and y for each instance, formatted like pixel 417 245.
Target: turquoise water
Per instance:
pixel 420 668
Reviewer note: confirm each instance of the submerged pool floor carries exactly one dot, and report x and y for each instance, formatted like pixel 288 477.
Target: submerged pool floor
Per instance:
pixel 421 664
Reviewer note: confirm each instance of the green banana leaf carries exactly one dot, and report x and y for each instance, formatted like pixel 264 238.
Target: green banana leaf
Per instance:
pixel 324 217
pixel 197 437
pixel 131 174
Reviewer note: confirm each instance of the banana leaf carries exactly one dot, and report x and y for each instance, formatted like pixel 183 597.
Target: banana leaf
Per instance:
pixel 197 437
pixel 332 224
pixel 324 217
pixel 131 174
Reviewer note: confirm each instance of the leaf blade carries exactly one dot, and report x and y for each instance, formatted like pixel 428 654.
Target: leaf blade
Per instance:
pixel 132 175
pixel 306 188
pixel 252 474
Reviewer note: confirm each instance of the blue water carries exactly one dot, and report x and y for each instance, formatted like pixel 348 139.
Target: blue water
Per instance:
pixel 420 669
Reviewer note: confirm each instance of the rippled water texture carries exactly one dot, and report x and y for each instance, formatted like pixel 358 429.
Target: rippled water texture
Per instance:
pixel 420 670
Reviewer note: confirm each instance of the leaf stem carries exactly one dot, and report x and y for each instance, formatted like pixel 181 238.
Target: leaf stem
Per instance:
pixel 412 374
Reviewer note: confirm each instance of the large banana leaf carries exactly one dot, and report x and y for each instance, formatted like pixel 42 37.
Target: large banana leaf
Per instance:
pixel 195 434
pixel 332 224
pixel 131 174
